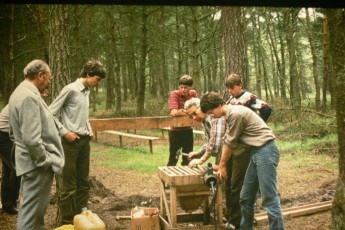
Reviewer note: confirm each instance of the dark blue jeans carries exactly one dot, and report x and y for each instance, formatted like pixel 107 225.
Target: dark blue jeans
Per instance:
pixel 262 172
pixel 73 185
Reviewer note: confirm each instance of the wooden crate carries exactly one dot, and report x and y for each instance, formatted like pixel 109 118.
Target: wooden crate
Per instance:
pixel 184 184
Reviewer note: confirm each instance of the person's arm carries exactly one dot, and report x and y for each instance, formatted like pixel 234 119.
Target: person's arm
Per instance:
pixel 226 154
pixel 264 110
pixel 216 135
pixel 55 108
pixel 177 112
pixel 235 123
pixel 173 105
pixel 198 161
pixel 198 153
pixel 214 142
pixel 30 127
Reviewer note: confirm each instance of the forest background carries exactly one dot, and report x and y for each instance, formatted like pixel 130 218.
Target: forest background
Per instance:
pixel 293 58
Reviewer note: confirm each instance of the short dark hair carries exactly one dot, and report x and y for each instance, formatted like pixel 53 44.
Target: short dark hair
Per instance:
pixel 211 101
pixel 92 68
pixel 232 80
pixel 186 80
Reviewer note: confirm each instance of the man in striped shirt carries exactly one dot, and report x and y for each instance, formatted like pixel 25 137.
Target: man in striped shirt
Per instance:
pixel 180 137
pixel 214 131
pixel 240 96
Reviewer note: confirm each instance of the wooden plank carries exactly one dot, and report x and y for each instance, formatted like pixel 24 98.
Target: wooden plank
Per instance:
pixel 194 131
pixel 289 213
pixel 131 135
pixel 166 207
pixel 181 175
pixel 142 123
pixel 298 207
pixel 198 132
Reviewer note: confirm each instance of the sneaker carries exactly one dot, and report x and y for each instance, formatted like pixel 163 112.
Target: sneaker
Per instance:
pixel 230 226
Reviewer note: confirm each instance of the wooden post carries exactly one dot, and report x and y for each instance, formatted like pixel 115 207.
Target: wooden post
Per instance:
pixel 151 148
pixel 120 138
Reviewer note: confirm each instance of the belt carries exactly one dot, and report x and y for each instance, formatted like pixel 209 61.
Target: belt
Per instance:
pixel 5 133
pixel 83 136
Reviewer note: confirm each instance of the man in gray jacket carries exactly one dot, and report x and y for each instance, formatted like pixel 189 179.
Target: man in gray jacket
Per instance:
pixel 38 153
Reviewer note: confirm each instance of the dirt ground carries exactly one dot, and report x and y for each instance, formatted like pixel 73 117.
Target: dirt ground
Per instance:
pixel 115 192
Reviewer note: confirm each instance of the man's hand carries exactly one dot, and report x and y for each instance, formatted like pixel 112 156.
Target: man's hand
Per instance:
pixel 221 173
pixel 70 136
pixel 195 162
pixel 178 112
pixel 191 155
pixel 215 167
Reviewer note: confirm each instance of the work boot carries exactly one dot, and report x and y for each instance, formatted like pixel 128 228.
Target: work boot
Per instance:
pixel 11 210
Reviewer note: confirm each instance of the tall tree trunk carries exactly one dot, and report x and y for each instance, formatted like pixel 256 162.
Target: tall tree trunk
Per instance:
pixel 259 57
pixel 76 58
pixel 283 77
pixel 295 93
pixel 195 49
pixel 235 44
pixel 275 54
pixel 110 80
pixel 336 22
pixel 214 68
pixel 58 48
pixel 43 30
pixel 325 65
pixel 178 45
pixel 132 66
pixel 117 77
pixel 142 65
pixel 315 62
pixel 8 83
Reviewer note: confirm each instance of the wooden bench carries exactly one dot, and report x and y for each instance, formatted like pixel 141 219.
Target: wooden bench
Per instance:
pixel 122 134
pixel 197 132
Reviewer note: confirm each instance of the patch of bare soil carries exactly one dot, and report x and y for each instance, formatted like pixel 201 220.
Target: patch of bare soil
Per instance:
pixel 115 192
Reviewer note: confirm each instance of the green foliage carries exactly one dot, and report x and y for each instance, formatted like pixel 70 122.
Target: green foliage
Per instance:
pixel 310 141
pixel 153 107
pixel 304 160
pixel 308 126
pixel 302 152
pixel 132 158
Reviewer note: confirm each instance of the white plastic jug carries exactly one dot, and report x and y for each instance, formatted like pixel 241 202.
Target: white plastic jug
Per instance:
pixel 88 221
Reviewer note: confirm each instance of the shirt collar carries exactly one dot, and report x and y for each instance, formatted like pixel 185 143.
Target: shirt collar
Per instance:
pixel 243 91
pixel 81 86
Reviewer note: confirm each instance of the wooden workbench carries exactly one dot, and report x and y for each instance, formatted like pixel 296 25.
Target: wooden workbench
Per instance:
pixel 186 185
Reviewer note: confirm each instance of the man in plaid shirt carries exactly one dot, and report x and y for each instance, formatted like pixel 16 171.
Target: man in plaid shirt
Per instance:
pixel 236 166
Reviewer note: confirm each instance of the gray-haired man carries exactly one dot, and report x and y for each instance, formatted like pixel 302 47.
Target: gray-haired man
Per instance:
pixel 38 153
